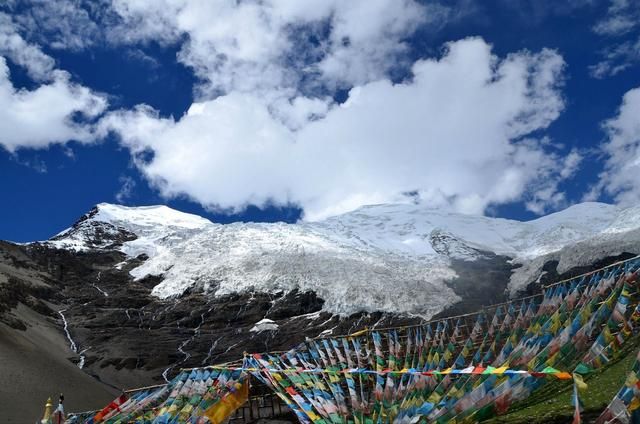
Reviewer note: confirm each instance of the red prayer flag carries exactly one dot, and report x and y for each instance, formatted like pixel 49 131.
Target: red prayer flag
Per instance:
pixel 113 405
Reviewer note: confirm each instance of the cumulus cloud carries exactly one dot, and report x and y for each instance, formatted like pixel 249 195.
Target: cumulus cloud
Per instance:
pixel 366 38
pixel 278 44
pixel 250 43
pixel 621 177
pixel 38 65
pixel 62 24
pixel 455 134
pixel 51 113
pixel 265 128
pixel 55 111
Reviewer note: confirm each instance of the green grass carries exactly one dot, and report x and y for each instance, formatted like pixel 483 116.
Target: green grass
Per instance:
pixel 552 402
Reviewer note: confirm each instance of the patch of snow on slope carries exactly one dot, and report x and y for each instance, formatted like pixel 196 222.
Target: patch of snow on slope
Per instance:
pixel 264 325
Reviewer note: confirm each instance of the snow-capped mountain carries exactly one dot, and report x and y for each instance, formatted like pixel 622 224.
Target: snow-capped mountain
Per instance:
pixel 400 258
pixel 133 294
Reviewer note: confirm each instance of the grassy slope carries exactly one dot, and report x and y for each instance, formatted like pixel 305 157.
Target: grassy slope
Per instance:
pixel 553 403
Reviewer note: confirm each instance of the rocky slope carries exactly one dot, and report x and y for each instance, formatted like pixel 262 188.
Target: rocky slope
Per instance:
pixel 139 292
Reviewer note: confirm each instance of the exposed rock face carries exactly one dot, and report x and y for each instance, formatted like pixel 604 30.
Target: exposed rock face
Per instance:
pixel 96 234
pixel 126 336
pixel 260 287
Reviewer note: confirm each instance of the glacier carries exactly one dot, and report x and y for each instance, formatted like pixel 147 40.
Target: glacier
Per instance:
pixel 392 258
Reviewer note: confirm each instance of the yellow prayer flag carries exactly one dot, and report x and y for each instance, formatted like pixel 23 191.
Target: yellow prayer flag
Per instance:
pixel 434 398
pixel 552 359
pixel 632 379
pixel 314 417
pixel 500 370
pixel 606 333
pixel 359 333
pixel 226 406
pixel 585 314
pixel 535 329
pixel 579 382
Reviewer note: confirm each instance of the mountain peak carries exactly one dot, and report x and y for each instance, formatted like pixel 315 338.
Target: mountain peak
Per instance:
pixel 153 215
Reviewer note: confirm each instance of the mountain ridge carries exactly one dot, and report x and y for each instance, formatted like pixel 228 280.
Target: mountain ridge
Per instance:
pixel 407 247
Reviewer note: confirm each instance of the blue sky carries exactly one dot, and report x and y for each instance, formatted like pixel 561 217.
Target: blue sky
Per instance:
pixel 511 109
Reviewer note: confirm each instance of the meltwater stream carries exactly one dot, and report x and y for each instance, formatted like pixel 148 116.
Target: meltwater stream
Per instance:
pixel 72 343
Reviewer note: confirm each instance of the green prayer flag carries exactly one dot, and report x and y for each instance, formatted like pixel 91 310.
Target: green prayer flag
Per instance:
pixel 583 369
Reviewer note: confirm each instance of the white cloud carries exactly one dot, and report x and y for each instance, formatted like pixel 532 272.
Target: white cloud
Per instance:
pixel 126 189
pixel 622 24
pixel 621 18
pixel 617 58
pixel 54 111
pixel 545 194
pixel 266 129
pixel 32 161
pixel 366 38
pixel 453 134
pixel 39 66
pixel 50 113
pixel 250 45
pixel 621 177
pixel 571 164
pixel 61 24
